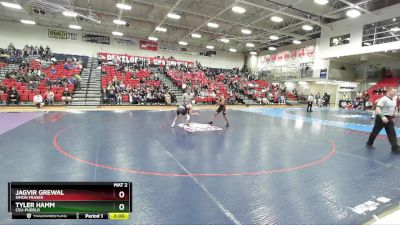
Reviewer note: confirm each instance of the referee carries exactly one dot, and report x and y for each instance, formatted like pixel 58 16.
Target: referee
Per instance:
pixel 385 111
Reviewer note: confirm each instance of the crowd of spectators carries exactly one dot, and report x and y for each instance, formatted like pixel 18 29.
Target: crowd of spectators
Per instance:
pixel 134 83
pixel 13 55
pixel 360 102
pixel 44 77
pixel 233 84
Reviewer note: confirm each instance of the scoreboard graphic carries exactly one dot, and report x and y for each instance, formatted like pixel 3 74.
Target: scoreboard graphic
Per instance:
pixel 70 200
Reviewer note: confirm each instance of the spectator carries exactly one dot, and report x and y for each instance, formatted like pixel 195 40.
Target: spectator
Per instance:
pixel 13 96
pixel 66 96
pixel 110 86
pixel 53 70
pixel 134 98
pixel 112 97
pixel 64 81
pixel 119 98
pixel 38 100
pixel 104 96
pixel 32 85
pixel 78 79
pixel 3 89
pixel 49 97
pixel 317 99
pixel 168 98
pixel 282 99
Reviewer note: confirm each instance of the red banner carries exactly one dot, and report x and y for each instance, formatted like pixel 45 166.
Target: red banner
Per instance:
pixel 150 60
pixel 148 45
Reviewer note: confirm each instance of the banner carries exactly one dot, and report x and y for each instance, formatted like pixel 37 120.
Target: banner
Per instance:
pixel 169 47
pixel 96 38
pixel 150 60
pixel 60 34
pixel 126 41
pixel 148 45
pixel 290 57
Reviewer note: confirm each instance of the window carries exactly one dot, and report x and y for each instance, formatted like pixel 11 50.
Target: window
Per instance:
pixel 381 32
pixel 340 40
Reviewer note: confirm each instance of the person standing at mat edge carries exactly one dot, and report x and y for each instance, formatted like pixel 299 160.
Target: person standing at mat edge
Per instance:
pixel 221 102
pixel 310 101
pixel 385 118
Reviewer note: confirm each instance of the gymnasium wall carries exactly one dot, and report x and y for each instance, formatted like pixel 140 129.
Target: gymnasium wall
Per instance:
pixel 342 71
pixel 20 34
pixel 354 27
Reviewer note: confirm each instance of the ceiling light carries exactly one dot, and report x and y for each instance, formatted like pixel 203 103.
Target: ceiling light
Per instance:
pixel 246 31
pixel 183 43
pixel 194 35
pixel 124 6
pixel 352 13
pixel 173 16
pixel 321 2
pixel 70 13
pixel 117 33
pixel 253 53
pixel 250 45
pixel 273 37
pixel 296 42
pixel 212 25
pixel 161 29
pixel 30 22
pixel 238 9
pixel 276 19
pixel 395 29
pixel 307 27
pixel 11 5
pixel 232 50
pixel 75 27
pixel 210 47
pixel 224 40
pixel 119 22
pixel 153 38
pixel 394 19
pixel 272 48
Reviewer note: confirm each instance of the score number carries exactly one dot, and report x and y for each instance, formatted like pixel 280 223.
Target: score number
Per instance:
pixel 121 194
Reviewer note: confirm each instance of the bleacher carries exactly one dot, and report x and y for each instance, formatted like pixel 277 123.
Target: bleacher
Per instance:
pixel 292 97
pixel 27 95
pixel 253 89
pixel 388 81
pixel 199 78
pixel 127 78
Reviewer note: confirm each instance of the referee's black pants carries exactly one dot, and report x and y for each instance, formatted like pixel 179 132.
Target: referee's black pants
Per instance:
pixel 390 131
pixel 309 107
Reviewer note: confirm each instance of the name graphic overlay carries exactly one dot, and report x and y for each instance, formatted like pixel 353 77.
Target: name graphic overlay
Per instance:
pixel 70 200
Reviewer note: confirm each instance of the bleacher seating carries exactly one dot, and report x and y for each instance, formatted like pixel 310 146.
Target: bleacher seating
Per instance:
pixel 292 97
pixel 127 78
pixel 199 78
pixel 254 89
pixel 384 83
pixel 27 95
